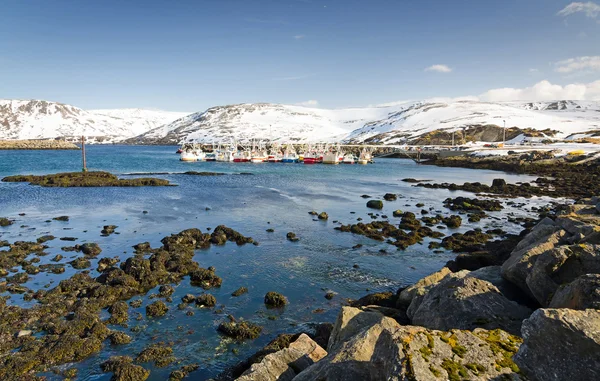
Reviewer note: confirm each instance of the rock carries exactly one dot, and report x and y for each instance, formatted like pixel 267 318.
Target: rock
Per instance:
pixel 274 299
pixel 421 287
pixel 240 291
pixel 90 249
pixel 467 303
pixel 61 218
pixel 323 216
pixel 370 346
pixel 45 238
pixel 24 332
pixel 206 300
pixel 498 183
pixel 185 370
pixel 397 213
pixel 108 230
pixel 375 204
pixel 119 338
pixel 581 294
pixel 5 222
pixel 159 353
pixel 560 266
pixel 543 237
pixel 286 363
pixel 291 236
pixel 188 298
pixel 390 197
pixel 493 274
pixel 158 308
pixel 329 295
pixel 561 344
pixel 124 370
pixel 240 330
pixel 384 299
pixel 105 263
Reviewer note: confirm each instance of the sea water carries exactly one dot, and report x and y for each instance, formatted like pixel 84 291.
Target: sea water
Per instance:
pixel 268 196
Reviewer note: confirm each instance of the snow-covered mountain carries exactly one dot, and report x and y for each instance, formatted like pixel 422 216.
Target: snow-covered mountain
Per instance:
pixel 382 124
pixel 37 119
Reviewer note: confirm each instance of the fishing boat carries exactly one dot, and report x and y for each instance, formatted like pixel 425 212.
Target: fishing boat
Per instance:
pixel 290 155
pixel 242 156
pixel 188 156
pixel 191 152
pixel 225 155
pixel 275 155
pixel 210 156
pixel 365 157
pixel 259 157
pixel 332 155
pixel 348 159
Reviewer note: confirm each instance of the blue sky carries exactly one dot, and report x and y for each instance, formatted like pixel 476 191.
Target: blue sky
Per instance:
pixel 190 55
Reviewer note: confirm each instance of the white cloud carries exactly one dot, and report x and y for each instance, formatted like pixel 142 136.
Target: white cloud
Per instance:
pixel 590 9
pixel 439 68
pixel 298 37
pixel 545 91
pixel 534 71
pixel 578 64
pixel 309 103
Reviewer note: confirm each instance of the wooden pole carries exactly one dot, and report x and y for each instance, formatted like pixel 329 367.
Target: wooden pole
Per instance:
pixel 83 153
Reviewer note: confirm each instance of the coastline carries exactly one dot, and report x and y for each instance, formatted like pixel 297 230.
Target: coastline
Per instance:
pixel 37 144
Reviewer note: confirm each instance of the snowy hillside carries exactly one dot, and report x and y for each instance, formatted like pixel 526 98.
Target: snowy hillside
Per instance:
pixel 385 124
pixel 35 119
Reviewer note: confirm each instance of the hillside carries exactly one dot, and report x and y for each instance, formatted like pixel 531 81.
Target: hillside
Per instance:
pixel 37 119
pixel 410 121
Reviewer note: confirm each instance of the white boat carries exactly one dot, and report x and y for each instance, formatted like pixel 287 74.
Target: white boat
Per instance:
pixel 348 159
pixel 188 156
pixel 225 155
pixel 332 155
pixel 365 157
pixel 290 155
pixel 191 152
pixel 259 157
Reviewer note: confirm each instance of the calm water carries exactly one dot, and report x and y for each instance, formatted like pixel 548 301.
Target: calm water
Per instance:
pixel 277 196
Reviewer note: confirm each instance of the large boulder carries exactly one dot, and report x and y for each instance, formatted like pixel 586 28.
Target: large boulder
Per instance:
pixel 560 266
pixel 561 344
pixel 285 364
pixel 543 237
pixel 421 287
pixel 370 346
pixel 493 274
pixel 467 302
pixel 582 293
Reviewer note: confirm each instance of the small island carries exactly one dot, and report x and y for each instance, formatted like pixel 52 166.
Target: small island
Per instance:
pixel 86 179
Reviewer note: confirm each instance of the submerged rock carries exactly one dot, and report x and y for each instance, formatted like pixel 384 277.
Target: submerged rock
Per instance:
pixel 85 179
pixel 206 300
pixel 240 291
pixel 274 299
pixel 5 222
pixel 159 353
pixel 158 308
pixel 241 330
pixel 375 204
pixel 123 369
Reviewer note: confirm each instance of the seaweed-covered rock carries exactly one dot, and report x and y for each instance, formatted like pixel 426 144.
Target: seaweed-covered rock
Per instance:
pixel 205 278
pixel 61 218
pixel 183 372
pixel 158 308
pixel 473 204
pixel 119 313
pixel 390 197
pixel 85 179
pixel 5 222
pixel 119 338
pixel 561 344
pixel 275 299
pixel 384 299
pixel 375 204
pixel 80 263
pixel 206 300
pixel 105 263
pixel 291 236
pixel 124 370
pixel 323 216
pixel 240 291
pixel 472 240
pixel 159 353
pixel 241 330
pixel 45 238
pixel 166 290
pixel 90 249
pixel 108 230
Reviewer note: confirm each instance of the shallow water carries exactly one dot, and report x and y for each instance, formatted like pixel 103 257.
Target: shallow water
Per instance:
pixel 277 196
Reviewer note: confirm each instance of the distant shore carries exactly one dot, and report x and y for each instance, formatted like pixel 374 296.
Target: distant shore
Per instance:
pixel 37 144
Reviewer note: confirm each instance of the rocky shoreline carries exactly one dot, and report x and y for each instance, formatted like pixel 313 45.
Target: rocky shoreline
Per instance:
pixel 37 144
pixel 85 179
pixel 527 309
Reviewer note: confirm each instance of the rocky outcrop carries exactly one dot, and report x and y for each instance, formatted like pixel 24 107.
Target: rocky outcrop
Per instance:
pixel 286 363
pixel 582 293
pixel 561 344
pixel 370 346
pixel 467 302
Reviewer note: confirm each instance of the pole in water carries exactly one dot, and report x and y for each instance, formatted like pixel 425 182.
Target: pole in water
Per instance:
pixel 84 169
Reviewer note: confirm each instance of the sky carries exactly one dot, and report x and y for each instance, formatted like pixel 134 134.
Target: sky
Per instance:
pixel 191 55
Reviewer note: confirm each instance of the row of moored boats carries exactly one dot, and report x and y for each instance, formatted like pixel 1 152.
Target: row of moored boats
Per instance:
pixel 259 153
